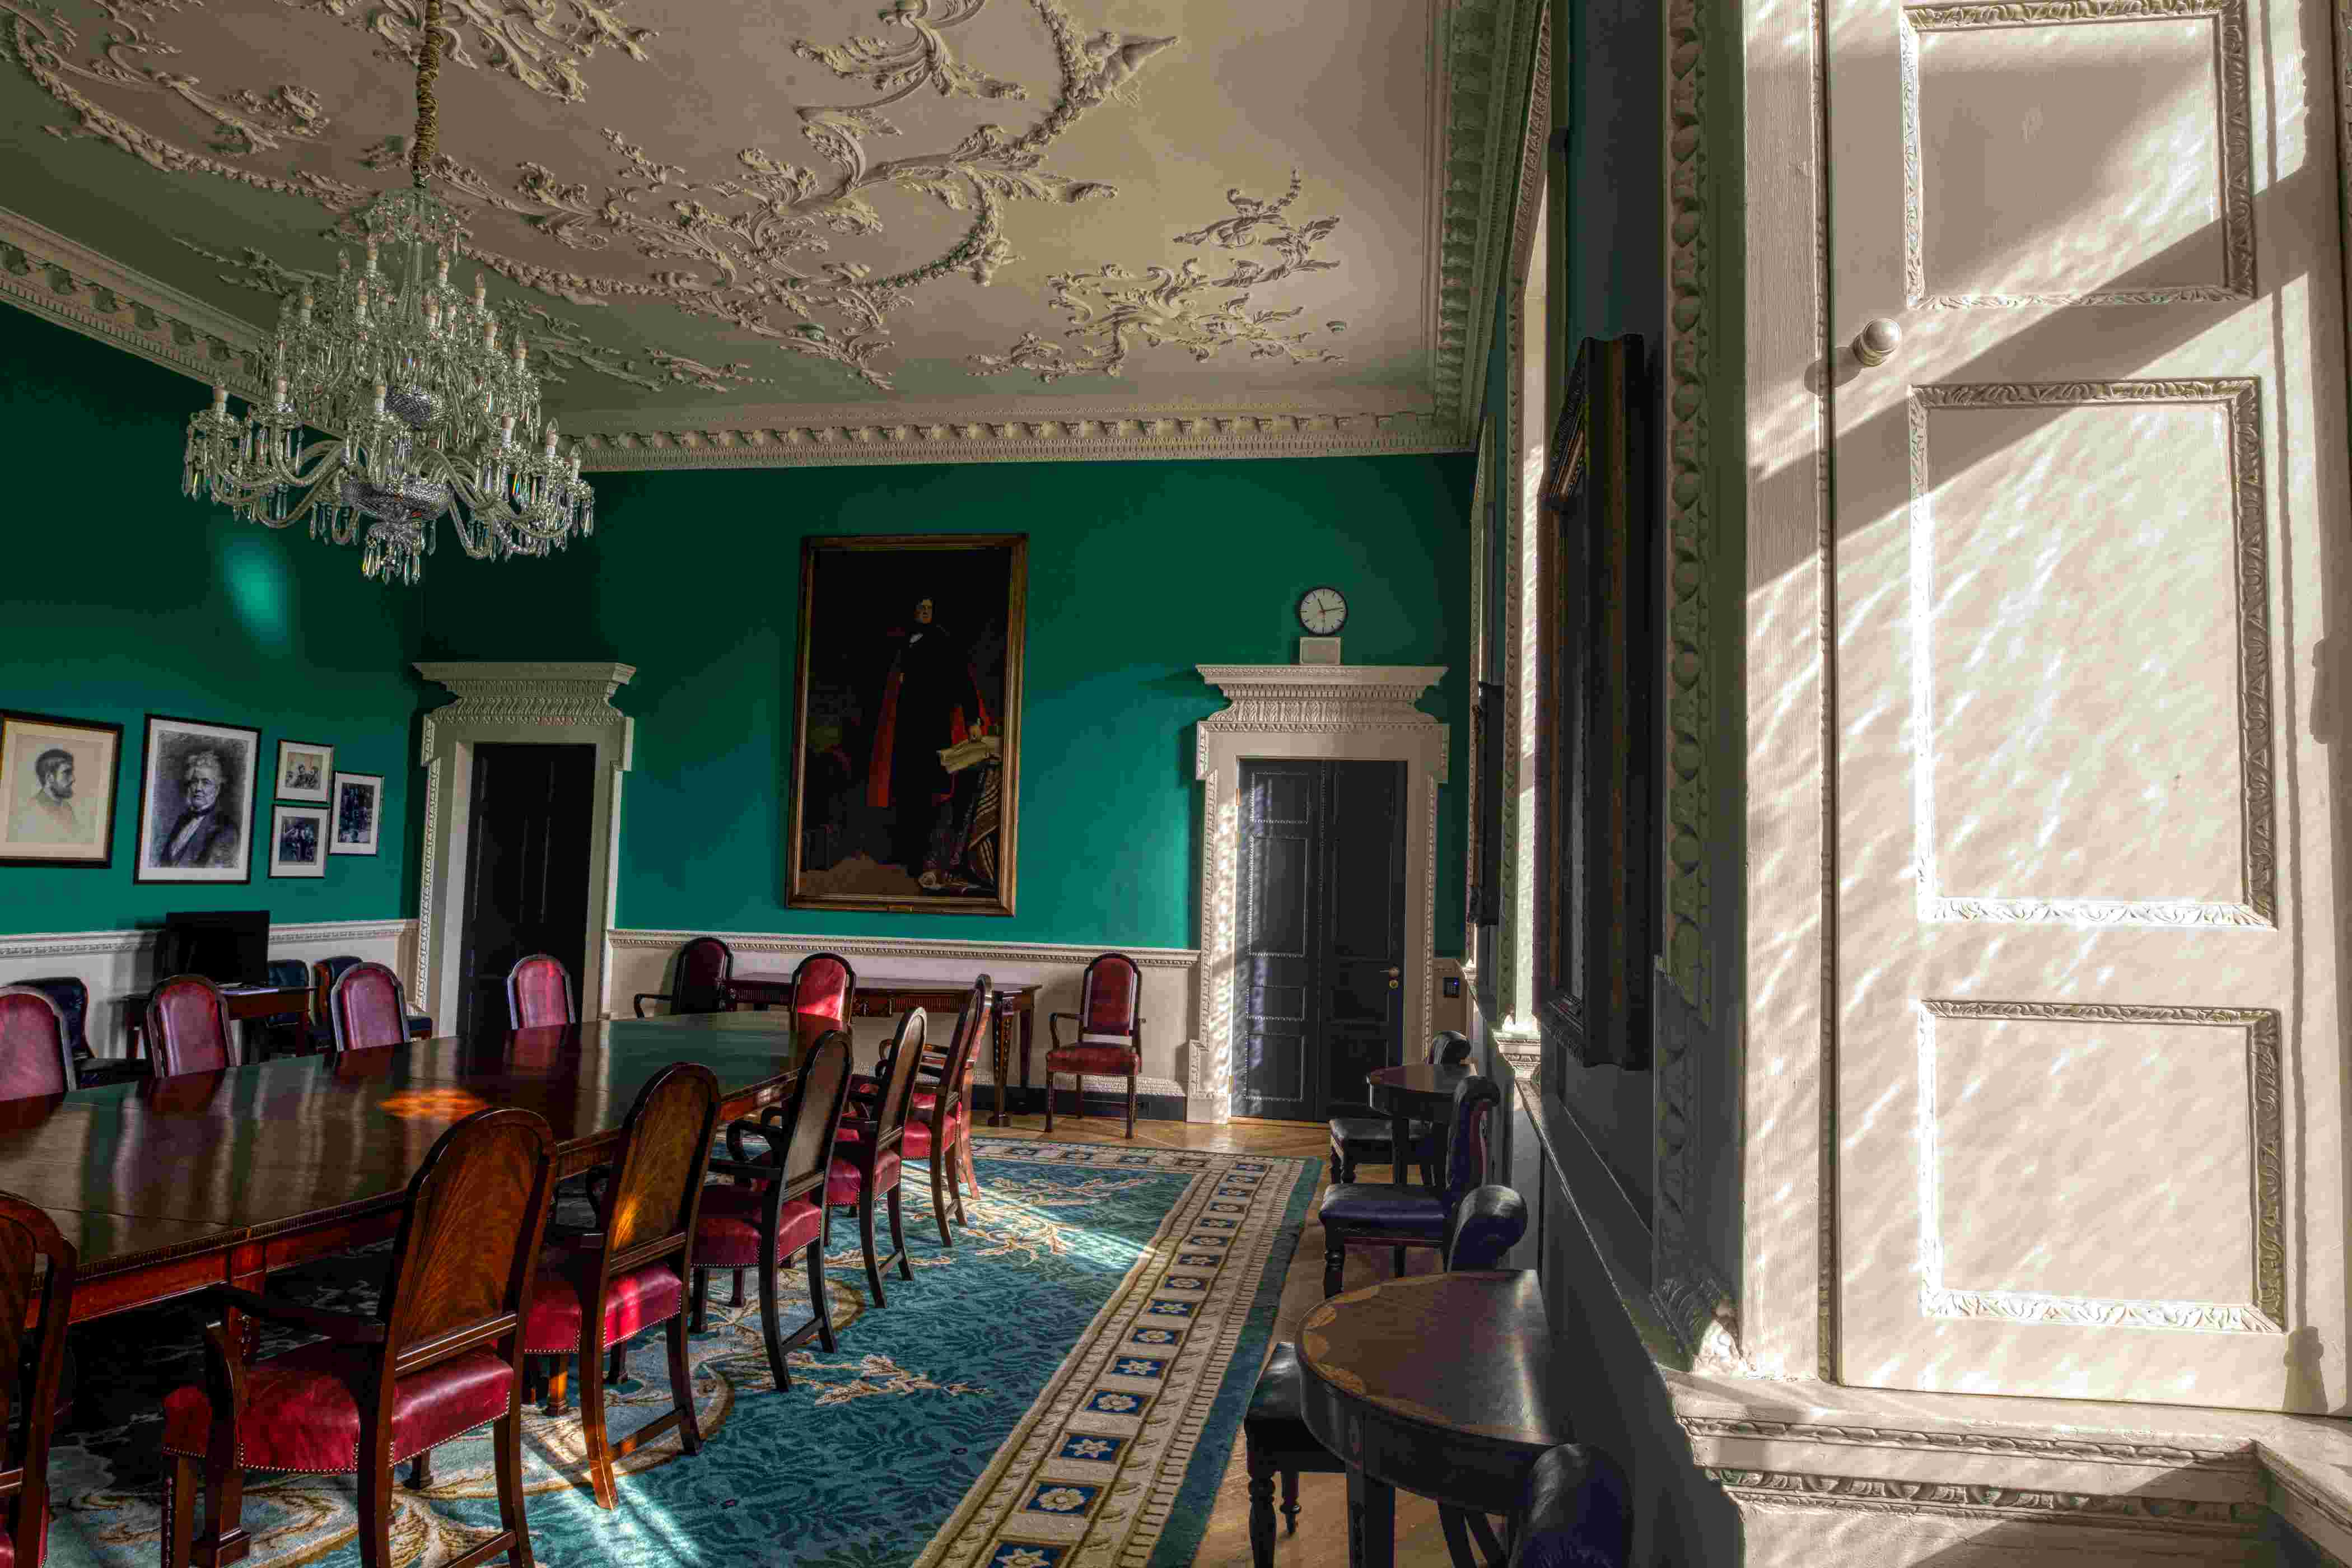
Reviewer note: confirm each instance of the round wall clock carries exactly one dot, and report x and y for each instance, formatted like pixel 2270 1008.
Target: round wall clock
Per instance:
pixel 1322 610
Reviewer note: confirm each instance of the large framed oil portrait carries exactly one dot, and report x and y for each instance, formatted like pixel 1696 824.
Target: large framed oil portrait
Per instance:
pixel 907 734
pixel 57 790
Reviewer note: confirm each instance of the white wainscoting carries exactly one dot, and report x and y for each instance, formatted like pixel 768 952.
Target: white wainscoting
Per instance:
pixel 120 965
pixel 640 962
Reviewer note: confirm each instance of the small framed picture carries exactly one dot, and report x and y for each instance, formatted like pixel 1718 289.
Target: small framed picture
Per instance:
pixel 197 789
pixel 303 770
pixel 359 813
pixel 298 841
pixel 57 790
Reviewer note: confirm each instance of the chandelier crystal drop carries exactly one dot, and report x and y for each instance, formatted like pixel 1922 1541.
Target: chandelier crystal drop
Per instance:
pixel 394 402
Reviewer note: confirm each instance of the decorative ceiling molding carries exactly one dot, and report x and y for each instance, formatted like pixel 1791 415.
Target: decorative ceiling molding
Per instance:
pixel 74 285
pixel 1489 65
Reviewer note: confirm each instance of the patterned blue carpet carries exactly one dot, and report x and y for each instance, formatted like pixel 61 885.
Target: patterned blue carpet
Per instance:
pixel 1070 1378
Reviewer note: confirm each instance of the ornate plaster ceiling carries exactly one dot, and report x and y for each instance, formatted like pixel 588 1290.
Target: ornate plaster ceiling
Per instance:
pixel 743 233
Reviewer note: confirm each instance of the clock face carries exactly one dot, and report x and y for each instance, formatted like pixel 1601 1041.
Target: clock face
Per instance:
pixel 1322 610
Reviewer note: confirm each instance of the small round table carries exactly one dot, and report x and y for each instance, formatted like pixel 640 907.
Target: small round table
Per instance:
pixel 1416 1090
pixel 1440 1383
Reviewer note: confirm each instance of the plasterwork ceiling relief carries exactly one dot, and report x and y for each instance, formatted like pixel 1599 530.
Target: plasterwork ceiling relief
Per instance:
pixel 830 225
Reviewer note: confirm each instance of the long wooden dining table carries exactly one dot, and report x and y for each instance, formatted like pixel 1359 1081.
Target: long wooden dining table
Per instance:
pixel 170 1185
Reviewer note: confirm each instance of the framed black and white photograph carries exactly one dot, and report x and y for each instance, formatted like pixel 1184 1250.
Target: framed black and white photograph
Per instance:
pixel 304 768
pixel 196 796
pixel 298 841
pixel 359 813
pixel 57 790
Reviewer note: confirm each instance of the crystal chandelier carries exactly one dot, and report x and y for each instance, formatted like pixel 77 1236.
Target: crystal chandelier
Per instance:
pixel 434 417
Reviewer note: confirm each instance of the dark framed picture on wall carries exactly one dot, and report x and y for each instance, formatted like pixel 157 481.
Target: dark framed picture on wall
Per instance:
pixel 303 770
pixel 57 790
pixel 907 732
pixel 196 797
pixel 298 841
pixel 359 813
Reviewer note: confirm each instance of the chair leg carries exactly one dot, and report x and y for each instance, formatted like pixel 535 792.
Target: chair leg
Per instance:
pixel 820 1301
pixel 591 1414
pixel 224 1510
pixel 420 1472
pixel 617 1366
pixel 1397 1257
pixel 1261 1512
pixel 506 1442
pixel 1335 1263
pixel 182 1482
pixel 1131 1105
pixel 897 1237
pixel 375 1504
pixel 772 1325
pixel 559 1387
pixel 681 1385
pixel 866 1234
pixel 1049 1099
pixel 699 1289
pixel 971 1173
pixel 737 1299
pixel 1290 1501
pixel 942 1178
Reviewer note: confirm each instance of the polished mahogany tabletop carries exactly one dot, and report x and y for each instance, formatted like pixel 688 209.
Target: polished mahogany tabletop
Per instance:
pixel 1417 1080
pixel 136 1172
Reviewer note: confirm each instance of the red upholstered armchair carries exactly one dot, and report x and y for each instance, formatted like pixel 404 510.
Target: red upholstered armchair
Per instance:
pixel 188 1028
pixel 367 1008
pixel 824 992
pixel 539 992
pixel 706 968
pixel 1108 1035
pixel 31 1368
pixel 35 1056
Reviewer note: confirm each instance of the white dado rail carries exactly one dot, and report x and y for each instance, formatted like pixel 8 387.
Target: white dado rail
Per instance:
pixel 120 965
pixel 641 962
pixel 1317 712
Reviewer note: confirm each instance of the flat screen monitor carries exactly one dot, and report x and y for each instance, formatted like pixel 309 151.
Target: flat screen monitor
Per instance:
pixel 229 947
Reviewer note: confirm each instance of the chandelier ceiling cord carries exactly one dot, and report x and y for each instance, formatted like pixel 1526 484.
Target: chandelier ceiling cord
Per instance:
pixel 434 418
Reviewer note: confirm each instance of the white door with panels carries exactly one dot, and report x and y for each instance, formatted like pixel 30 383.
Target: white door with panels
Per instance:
pixel 2093 542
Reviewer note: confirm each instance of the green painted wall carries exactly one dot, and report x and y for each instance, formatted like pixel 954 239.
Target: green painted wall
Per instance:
pixel 1136 572
pixel 122 598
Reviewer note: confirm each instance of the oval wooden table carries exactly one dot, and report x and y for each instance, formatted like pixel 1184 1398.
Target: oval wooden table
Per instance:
pixel 1439 1384
pixel 1417 1089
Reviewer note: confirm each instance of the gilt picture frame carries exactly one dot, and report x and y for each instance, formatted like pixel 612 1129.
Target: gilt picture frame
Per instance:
pixel 58 779
pixel 907 724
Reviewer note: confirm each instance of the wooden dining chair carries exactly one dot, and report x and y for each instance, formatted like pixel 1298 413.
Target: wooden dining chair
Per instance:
pixel 442 1354
pixel 366 1008
pixel 1362 1134
pixel 635 1266
pixel 188 1027
pixel 1576 1512
pixel 38 1266
pixel 1108 1036
pixel 868 1153
pixel 539 992
pixel 938 1118
pixel 776 1205
pixel 824 995
pixel 706 969
pixel 35 1055
pixel 1384 1214
pixel 1486 1225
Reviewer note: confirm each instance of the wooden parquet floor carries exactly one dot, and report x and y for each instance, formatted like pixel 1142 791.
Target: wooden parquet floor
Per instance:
pixel 1322 1538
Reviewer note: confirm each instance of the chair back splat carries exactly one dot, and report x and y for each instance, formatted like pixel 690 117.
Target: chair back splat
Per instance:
pixel 538 993
pixel 367 1008
pixel 469 1244
pixel 188 1028
pixel 35 1055
pixel 706 971
pixel 824 992
pixel 36 1280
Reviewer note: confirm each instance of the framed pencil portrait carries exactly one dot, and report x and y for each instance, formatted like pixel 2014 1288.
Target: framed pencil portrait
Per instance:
pixel 57 790
pixel 906 733
pixel 197 788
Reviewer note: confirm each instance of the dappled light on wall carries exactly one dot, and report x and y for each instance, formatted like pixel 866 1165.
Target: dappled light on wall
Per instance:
pixel 253 573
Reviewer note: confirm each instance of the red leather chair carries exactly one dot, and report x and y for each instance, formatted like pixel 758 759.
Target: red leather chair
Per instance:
pixel 35 1055
pixel 367 1008
pixel 778 1208
pixel 31 1370
pixel 706 966
pixel 868 1152
pixel 637 1267
pixel 539 992
pixel 938 1120
pixel 442 1355
pixel 1109 1037
pixel 188 1027
pixel 824 995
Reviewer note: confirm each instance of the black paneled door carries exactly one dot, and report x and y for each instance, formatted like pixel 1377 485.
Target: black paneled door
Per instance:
pixel 1320 956
pixel 526 869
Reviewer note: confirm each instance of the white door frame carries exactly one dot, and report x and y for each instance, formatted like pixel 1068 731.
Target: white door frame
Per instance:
pixel 1324 712
pixel 531 704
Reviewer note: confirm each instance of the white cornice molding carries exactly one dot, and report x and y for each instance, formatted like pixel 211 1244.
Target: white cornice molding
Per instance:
pixel 1488 65
pixel 101 944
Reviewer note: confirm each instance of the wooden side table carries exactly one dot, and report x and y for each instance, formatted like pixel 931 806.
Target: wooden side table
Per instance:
pixel 1421 1090
pixel 883 997
pixel 1439 1384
